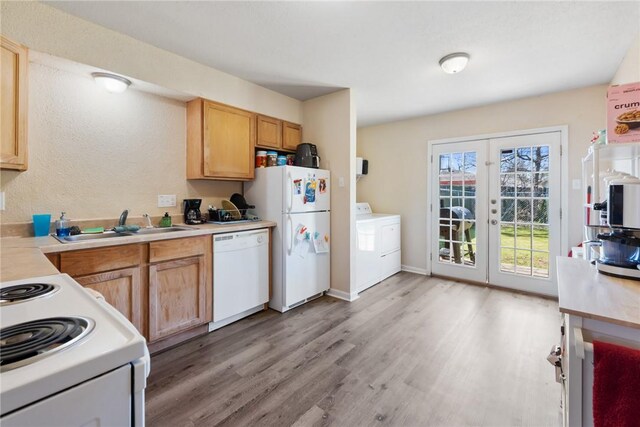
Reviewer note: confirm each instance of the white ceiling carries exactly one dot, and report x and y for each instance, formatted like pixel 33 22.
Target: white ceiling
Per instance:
pixel 388 52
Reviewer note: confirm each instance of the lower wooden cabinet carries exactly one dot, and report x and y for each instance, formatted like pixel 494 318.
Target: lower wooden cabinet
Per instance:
pixel 177 296
pixel 120 288
pixel 164 288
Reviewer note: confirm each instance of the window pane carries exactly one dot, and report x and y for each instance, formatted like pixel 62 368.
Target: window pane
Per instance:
pixel 507 260
pixel 508 210
pixel 523 262
pixel 507 235
pixel 507 160
pixel 523 162
pixel 540 238
pixel 541 158
pixel 541 264
pixel 541 211
pixel 523 213
pixel 523 237
pixel 444 164
pixel 523 183
pixel 507 185
pixel 541 185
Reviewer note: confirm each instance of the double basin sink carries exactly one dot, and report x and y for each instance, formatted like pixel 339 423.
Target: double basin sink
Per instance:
pixel 112 234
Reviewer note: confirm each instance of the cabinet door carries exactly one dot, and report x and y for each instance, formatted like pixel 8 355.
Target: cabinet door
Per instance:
pixel 177 296
pixel 229 142
pixel 13 111
pixel 291 136
pixel 269 132
pixel 121 289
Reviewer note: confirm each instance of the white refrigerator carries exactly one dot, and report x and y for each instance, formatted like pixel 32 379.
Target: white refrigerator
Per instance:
pixel 298 200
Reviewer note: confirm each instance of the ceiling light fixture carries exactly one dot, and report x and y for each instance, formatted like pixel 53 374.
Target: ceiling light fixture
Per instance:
pixel 111 82
pixel 454 62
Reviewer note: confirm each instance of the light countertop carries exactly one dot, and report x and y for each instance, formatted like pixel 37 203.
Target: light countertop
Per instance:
pixel 23 257
pixel 584 292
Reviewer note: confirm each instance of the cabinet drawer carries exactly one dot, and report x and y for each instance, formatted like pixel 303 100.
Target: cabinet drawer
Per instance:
pixel 90 261
pixel 164 250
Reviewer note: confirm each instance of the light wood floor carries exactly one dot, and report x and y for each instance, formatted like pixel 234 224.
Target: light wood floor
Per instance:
pixel 412 351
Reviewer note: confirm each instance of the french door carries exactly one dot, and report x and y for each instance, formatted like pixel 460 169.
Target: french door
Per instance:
pixel 495 211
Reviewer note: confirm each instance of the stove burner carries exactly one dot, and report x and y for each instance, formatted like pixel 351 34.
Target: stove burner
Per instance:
pixel 24 292
pixel 25 343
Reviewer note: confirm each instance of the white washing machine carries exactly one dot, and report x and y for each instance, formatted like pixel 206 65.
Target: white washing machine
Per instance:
pixel 378 238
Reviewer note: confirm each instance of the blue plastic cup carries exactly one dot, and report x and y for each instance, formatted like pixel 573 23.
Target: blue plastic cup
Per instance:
pixel 41 224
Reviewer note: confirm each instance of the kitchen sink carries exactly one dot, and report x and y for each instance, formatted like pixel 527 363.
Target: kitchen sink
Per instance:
pixel 160 230
pixel 85 237
pixel 111 234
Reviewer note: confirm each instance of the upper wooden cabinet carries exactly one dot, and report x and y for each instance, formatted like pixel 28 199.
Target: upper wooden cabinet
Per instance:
pixel 13 111
pixel 220 141
pixel 269 132
pixel 291 135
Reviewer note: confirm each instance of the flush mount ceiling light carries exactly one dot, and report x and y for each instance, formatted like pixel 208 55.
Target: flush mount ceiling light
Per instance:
pixel 455 62
pixel 111 82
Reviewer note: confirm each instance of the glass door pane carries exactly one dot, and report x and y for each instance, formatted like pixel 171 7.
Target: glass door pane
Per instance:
pixel 458 215
pixel 525 186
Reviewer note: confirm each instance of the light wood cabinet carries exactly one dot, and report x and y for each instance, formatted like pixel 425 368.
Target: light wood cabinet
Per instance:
pixel 116 272
pixel 177 296
pixel 269 132
pixel 13 111
pixel 120 288
pixel 291 136
pixel 180 285
pixel 220 141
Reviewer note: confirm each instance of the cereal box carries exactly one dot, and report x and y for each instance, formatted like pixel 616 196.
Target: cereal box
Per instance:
pixel 623 113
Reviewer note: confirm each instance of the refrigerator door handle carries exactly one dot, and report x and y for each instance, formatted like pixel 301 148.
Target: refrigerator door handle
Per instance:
pixel 290 241
pixel 289 192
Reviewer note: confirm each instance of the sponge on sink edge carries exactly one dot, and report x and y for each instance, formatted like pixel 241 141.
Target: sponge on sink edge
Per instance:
pixel 94 230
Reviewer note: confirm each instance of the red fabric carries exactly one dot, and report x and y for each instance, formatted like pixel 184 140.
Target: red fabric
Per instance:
pixel 616 386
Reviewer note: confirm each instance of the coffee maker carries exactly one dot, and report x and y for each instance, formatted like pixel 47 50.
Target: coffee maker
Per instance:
pixel 191 208
pixel 620 250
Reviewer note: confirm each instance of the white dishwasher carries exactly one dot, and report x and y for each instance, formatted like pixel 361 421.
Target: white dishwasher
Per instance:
pixel 240 275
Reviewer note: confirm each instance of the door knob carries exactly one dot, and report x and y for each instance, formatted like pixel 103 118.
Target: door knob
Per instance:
pixel 494 221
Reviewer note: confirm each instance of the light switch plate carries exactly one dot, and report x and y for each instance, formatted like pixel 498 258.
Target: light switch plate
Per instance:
pixel 166 200
pixel 341 181
pixel 2 201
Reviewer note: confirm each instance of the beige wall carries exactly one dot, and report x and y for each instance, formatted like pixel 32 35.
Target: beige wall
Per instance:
pixel 397 154
pixel 48 30
pixel 93 154
pixel 629 70
pixel 330 123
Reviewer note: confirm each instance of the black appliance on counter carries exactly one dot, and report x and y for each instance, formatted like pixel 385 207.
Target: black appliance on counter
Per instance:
pixel 307 156
pixel 191 208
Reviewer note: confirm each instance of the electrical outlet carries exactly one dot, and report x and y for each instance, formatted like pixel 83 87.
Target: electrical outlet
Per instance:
pixel 2 201
pixel 166 200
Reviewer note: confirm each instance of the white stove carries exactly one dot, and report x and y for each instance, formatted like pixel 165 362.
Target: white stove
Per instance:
pixel 67 357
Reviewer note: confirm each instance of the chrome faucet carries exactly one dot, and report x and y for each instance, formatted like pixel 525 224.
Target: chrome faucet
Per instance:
pixel 123 217
pixel 148 219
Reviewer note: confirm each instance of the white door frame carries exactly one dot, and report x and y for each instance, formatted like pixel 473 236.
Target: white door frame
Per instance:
pixel 564 178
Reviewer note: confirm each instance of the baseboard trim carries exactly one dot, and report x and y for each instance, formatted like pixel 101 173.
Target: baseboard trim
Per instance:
pixel 410 269
pixel 345 296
